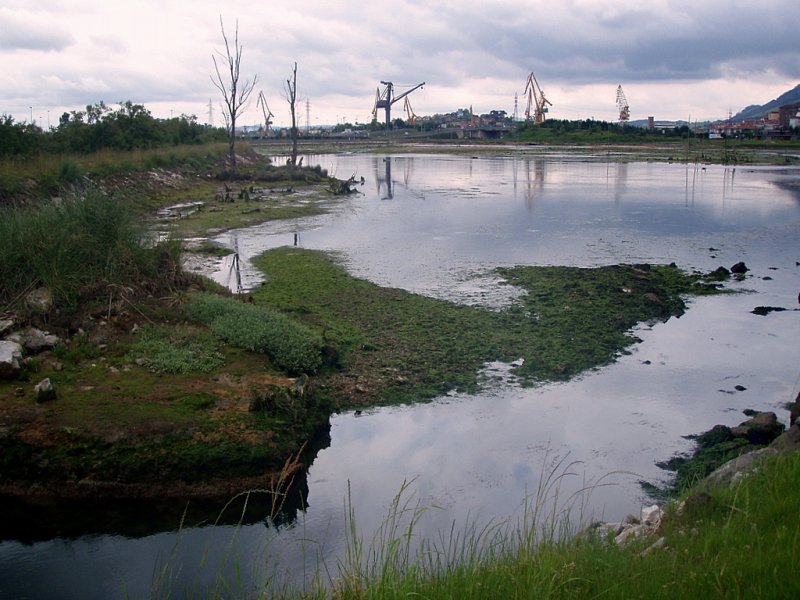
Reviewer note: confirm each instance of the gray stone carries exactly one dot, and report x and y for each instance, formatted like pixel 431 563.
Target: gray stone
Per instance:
pixel 40 300
pixel 34 340
pixel 651 516
pixel 634 531
pixel 6 325
pixel 789 439
pixel 742 464
pixel 44 391
pixel 659 543
pixel 10 359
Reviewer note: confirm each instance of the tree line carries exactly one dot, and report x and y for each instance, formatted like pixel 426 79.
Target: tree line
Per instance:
pixel 99 127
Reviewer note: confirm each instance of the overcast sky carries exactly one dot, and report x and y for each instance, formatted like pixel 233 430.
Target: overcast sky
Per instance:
pixel 676 59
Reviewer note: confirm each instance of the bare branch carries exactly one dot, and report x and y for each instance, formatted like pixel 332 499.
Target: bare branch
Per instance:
pixel 234 96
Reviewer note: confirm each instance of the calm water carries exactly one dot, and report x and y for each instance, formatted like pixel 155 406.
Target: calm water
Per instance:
pixel 436 225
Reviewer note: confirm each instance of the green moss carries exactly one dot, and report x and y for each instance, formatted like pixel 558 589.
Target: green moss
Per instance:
pixel 406 347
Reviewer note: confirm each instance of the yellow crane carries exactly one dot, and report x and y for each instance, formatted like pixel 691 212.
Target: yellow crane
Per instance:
pixel 622 106
pixel 536 101
pixel 262 101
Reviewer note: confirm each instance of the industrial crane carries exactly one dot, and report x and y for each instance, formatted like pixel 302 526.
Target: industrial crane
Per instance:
pixel 262 101
pixel 411 118
pixel 536 100
pixel 622 106
pixel 386 98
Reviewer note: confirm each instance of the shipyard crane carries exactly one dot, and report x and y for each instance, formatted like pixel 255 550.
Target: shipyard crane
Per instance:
pixel 262 101
pixel 622 106
pixel 386 98
pixel 411 118
pixel 536 100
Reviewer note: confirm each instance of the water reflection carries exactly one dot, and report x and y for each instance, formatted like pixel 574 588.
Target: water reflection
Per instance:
pixel 451 221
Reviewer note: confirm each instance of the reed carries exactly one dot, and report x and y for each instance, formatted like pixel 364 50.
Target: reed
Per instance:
pixel 82 248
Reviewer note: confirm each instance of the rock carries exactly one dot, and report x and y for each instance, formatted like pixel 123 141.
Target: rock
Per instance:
pixel 631 520
pixel 794 410
pixel 760 429
pixel 788 440
pixel 739 268
pixel 635 531
pixel 10 359
pixel 40 300
pixel 34 340
pixel 741 465
pixel 6 325
pixel 44 391
pixel 719 274
pixel 651 516
pixel 659 543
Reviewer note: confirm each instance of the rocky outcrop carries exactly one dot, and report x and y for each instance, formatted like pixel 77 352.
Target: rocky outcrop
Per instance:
pixel 34 340
pixel 646 525
pixel 14 345
pixel 759 430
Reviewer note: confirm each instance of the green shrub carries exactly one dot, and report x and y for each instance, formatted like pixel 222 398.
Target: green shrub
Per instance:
pixel 176 350
pixel 290 345
pixel 81 247
pixel 69 171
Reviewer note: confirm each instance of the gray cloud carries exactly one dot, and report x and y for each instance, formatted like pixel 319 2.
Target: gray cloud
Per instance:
pixel 29 31
pixel 461 48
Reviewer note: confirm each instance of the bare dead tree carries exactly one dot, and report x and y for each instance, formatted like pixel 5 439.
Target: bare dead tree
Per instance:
pixel 226 80
pixel 291 97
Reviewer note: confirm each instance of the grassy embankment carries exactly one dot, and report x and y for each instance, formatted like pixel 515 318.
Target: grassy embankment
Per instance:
pixel 149 401
pixel 731 542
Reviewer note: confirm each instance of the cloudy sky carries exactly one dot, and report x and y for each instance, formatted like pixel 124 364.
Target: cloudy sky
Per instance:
pixel 676 59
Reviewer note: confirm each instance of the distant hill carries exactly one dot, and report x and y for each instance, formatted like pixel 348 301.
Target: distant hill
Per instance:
pixel 756 111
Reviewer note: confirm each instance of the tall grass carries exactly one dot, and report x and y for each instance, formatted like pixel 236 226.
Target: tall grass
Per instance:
pixel 734 542
pixel 80 248
pixel 51 172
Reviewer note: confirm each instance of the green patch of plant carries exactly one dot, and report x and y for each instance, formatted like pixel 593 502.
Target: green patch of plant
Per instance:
pixel 407 347
pixel 290 345
pixel 165 349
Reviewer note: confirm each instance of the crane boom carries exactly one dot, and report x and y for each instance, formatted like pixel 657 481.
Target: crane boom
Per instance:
pixel 386 98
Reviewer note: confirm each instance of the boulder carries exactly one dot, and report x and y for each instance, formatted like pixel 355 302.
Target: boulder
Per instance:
pixel 6 325
pixel 10 359
pixel 760 429
pixel 44 391
pixel 739 268
pixel 34 340
pixel 794 410
pixel 733 470
pixel 788 440
pixel 40 300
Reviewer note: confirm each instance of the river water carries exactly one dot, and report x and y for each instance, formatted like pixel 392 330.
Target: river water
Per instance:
pixel 436 225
